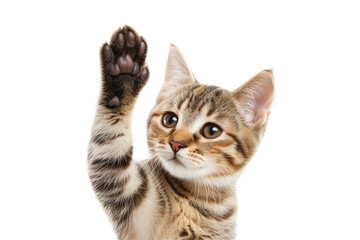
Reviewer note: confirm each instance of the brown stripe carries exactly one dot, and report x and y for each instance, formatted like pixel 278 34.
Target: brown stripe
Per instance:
pixel 180 103
pixel 183 233
pixel 230 159
pixel 161 201
pixel 137 197
pixel 159 181
pixel 201 106
pixel 191 100
pixel 192 231
pixel 106 185
pixel 210 214
pixel 154 115
pixel 114 116
pixel 192 96
pixel 140 194
pixel 172 131
pixel 182 187
pixel 168 199
pixel 174 188
pixel 157 130
pixel 151 117
pixel 103 138
pixel 183 191
pixel 122 162
pixel 160 185
pixel 230 212
pixel 240 147
pixel 115 121
pixel 129 203
pixel 164 200
pixel 212 108
pixel 195 138
pixel 117 205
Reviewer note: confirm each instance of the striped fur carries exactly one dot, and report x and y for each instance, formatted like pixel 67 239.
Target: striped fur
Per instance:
pixel 188 194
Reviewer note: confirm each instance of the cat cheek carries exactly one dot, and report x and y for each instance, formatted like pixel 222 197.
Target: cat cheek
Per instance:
pixel 165 154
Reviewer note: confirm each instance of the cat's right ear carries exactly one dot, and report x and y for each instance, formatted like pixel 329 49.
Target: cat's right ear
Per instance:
pixel 177 73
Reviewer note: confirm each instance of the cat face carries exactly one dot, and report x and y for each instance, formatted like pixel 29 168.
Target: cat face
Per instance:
pixel 198 131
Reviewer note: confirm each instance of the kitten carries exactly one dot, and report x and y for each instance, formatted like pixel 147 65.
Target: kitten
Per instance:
pixel 200 137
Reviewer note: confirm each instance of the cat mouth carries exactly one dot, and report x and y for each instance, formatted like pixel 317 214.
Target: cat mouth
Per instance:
pixel 177 161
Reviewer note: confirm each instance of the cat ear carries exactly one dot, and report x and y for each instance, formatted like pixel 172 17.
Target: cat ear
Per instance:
pixel 255 97
pixel 177 73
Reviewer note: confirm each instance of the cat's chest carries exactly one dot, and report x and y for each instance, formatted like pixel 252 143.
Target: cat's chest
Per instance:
pixel 187 223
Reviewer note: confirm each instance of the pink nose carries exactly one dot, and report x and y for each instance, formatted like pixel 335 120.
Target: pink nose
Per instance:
pixel 176 145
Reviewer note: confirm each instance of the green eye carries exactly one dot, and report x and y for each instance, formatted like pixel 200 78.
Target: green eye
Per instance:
pixel 211 130
pixel 169 120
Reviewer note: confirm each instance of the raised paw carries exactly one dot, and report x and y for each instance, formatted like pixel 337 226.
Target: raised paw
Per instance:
pixel 123 66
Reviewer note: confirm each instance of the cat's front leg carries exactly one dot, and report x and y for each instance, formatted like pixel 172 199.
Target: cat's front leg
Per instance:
pixel 119 183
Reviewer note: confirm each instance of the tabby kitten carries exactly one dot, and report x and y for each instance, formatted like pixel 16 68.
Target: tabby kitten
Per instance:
pixel 200 138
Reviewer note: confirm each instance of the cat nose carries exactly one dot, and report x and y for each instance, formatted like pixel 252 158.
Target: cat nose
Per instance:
pixel 176 145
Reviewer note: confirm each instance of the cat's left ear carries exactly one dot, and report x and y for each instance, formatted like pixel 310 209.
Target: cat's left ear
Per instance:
pixel 177 73
pixel 255 97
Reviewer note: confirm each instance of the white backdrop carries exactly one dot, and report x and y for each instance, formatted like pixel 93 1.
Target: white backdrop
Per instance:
pixel 303 182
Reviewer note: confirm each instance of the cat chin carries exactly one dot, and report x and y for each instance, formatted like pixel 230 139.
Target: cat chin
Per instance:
pixel 179 169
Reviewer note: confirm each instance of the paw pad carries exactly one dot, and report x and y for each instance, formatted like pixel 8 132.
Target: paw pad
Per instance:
pixel 114 102
pixel 123 66
pixel 125 54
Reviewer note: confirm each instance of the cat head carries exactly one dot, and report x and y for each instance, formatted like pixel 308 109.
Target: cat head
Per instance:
pixel 198 131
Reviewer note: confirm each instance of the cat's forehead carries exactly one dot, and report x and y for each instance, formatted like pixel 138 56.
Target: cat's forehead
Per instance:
pixel 202 97
pixel 200 103
pixel 198 97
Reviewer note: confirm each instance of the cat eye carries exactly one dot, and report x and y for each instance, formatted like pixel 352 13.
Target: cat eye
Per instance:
pixel 170 120
pixel 211 130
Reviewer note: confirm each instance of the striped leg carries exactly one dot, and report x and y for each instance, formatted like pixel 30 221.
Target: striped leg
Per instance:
pixel 119 183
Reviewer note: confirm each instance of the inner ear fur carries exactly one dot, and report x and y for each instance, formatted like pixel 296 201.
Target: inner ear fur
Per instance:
pixel 254 98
